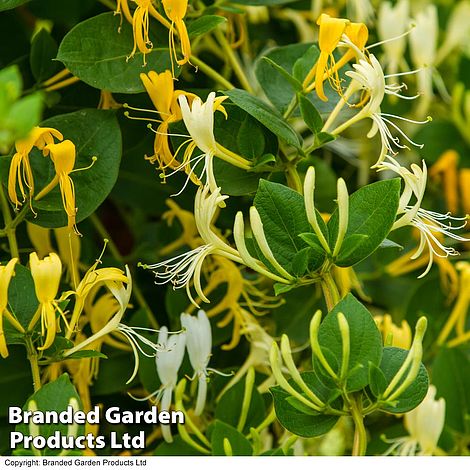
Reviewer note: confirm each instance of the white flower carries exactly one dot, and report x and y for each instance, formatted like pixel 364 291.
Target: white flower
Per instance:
pixel 392 23
pixel 430 224
pixel 424 425
pixel 184 268
pixel 168 361
pixel 360 11
pixel 423 43
pixel 199 345
pixel 457 30
pixel 369 77
pixel 199 121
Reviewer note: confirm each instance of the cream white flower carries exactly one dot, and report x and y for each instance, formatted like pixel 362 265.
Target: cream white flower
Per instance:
pixel 392 23
pixel 457 30
pixel 424 425
pixel 199 121
pixel 369 77
pixel 431 225
pixel 423 43
pixel 360 11
pixel 199 346
pixel 168 361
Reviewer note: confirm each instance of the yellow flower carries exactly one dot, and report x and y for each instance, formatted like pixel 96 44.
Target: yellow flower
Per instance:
pixel 394 335
pixel 464 179
pixel 68 246
pixel 445 169
pixel 6 273
pixel 46 275
pixel 63 157
pixel 334 32
pixel 161 90
pixel 140 28
pixel 20 168
pixel 176 10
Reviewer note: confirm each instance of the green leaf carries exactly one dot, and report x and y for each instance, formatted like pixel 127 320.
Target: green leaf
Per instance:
pixel 282 213
pixel 53 396
pixel 43 51
pixel 277 87
pixel 266 115
pixel 304 64
pixel 87 353
pixel 280 288
pixel 10 4
pixel 392 359
pixel 297 420
pixel 204 24
pixel 377 380
pixel 22 300
pixel 229 407
pixel 238 442
pixel 96 53
pixel 295 84
pixel 310 115
pixel 250 138
pixel 372 212
pixel 390 244
pixel 94 133
pixel 451 376
pixel 365 341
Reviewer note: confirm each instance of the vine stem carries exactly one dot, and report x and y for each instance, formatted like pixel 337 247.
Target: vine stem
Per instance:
pixel 33 360
pixel 360 435
pixel 233 61
pixel 10 229
pixel 210 72
pixel 101 229
pixel 330 291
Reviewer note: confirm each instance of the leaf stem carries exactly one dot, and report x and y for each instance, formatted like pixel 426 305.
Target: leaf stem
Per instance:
pixel 233 61
pixel 33 360
pixel 360 435
pixel 210 72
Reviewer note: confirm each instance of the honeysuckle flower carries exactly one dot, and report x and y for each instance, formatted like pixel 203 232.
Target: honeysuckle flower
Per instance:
pixel 464 180
pixel 458 317
pixel 424 425
pixel 168 361
pixel 457 30
pixel 423 43
pixel 199 121
pixel 68 246
pixel 392 22
pixel 447 272
pixel 361 11
pixel 368 77
pixel 392 334
pixel 46 275
pixel 6 273
pixel 140 29
pixel 334 32
pixel 186 267
pixel 161 90
pixel 20 168
pixel 175 10
pixel 445 169
pixel 121 290
pixel 63 156
pixel 199 346
pixel 428 223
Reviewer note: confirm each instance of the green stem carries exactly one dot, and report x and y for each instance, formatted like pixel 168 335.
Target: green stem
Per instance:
pixel 360 435
pixel 330 291
pixel 210 72
pixel 33 360
pixel 233 61
pixel 291 108
pixel 101 229
pixel 10 230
